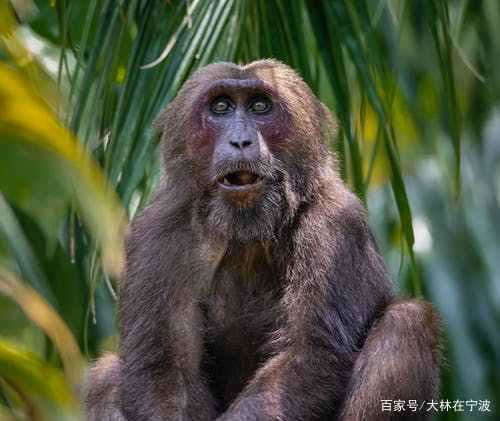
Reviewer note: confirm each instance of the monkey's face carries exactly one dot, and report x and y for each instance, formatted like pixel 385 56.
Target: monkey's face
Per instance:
pixel 243 124
pixel 252 138
pixel 244 182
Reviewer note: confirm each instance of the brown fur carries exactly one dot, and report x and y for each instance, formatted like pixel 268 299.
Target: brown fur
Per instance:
pixel 271 305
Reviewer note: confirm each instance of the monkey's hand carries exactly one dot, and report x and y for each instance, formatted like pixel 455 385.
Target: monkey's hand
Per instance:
pixel 174 397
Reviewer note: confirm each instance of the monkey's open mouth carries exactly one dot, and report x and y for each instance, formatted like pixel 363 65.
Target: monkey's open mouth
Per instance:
pixel 240 180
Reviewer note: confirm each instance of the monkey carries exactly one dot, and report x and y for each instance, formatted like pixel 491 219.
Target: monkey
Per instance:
pixel 254 288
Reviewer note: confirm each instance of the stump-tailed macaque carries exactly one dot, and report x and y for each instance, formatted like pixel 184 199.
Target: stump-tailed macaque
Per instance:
pixel 254 290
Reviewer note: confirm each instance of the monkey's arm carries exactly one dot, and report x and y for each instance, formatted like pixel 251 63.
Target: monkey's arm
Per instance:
pixel 160 324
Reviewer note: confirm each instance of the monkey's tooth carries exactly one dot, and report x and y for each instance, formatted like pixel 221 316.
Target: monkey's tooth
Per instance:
pixel 226 181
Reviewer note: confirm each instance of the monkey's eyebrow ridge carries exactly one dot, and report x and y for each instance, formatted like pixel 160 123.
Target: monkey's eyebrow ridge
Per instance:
pixel 228 85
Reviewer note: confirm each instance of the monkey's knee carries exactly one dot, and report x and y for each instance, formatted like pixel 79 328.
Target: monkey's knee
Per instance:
pixel 409 333
pixel 413 309
pixel 399 361
pixel 414 321
pixel 101 390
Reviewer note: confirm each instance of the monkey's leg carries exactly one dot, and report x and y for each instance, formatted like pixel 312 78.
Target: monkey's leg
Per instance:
pixel 101 390
pixel 399 361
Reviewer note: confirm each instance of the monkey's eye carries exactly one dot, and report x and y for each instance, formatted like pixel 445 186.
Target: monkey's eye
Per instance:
pixel 260 105
pixel 221 105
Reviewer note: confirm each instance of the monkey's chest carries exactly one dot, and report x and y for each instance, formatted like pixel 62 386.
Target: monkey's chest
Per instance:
pixel 240 315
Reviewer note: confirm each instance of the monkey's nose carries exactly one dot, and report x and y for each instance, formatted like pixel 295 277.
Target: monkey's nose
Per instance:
pixel 241 144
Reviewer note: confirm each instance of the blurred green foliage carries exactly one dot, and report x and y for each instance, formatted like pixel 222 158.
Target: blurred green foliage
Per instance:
pixel 416 89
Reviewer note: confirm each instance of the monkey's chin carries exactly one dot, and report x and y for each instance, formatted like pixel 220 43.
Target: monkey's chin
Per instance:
pixel 243 215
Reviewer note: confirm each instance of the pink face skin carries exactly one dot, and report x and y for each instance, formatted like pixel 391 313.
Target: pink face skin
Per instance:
pixel 242 125
pixel 241 93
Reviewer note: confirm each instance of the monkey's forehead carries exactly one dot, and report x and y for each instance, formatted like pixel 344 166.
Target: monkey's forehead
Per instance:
pixel 249 84
pixel 269 74
pixel 270 70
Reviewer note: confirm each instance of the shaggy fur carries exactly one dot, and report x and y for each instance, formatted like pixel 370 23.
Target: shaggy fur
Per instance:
pixel 274 306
